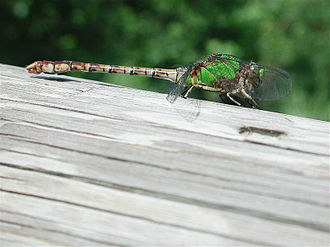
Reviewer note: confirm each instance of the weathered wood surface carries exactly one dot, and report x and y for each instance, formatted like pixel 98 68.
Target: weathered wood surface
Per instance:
pixel 85 163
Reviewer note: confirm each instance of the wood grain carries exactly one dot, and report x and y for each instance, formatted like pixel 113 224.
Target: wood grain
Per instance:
pixel 85 163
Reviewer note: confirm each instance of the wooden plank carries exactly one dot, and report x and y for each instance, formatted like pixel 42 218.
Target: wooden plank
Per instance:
pixel 89 163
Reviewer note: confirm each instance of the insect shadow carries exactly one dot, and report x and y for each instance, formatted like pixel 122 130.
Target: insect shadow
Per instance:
pixel 54 78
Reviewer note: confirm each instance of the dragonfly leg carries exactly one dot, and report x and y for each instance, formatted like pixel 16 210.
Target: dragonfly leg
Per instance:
pixel 187 92
pixel 231 98
pixel 249 97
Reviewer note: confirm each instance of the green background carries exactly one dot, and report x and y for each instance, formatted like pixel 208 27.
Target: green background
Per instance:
pixel 290 34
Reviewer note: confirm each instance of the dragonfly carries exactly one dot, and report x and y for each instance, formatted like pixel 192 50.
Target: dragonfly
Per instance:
pixel 236 81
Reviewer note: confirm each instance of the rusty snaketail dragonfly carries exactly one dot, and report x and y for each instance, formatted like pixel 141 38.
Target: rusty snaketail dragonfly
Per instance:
pixel 236 81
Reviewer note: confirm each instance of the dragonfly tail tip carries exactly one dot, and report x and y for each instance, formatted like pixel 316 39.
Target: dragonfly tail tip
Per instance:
pixel 33 68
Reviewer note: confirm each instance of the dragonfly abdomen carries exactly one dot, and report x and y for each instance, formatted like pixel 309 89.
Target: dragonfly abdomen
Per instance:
pixel 57 67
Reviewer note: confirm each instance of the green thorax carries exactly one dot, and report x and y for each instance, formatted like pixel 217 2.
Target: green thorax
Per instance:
pixel 213 70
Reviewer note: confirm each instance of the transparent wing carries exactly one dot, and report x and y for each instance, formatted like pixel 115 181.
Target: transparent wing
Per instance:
pixel 177 89
pixel 275 84
pixel 188 108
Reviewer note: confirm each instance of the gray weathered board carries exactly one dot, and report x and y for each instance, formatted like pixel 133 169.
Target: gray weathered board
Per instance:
pixel 85 163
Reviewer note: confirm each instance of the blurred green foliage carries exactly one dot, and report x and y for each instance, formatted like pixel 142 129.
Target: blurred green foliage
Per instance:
pixel 290 34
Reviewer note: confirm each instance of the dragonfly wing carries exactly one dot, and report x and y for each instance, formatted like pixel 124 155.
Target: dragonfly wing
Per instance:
pixel 177 88
pixel 189 108
pixel 275 84
pixel 174 92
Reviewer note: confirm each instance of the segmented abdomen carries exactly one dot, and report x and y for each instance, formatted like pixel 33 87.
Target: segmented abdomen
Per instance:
pixel 57 67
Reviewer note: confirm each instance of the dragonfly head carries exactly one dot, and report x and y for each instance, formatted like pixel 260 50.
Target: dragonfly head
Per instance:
pixel 256 74
pixel 257 70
